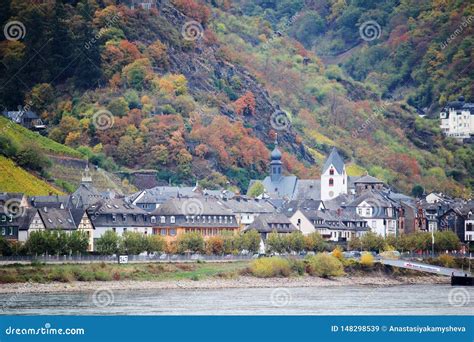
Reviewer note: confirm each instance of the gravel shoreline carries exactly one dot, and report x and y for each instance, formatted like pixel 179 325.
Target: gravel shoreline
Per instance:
pixel 217 283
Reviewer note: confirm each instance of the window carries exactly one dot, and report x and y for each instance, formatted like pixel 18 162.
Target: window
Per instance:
pixel 163 219
pixel 114 218
pixel 172 232
pixel 3 231
pixel 172 219
pixel 153 219
pixel 125 218
pixel 220 219
pixel 4 218
pixel 331 182
pixel 331 172
pixel 163 232
pixel 125 230
pixel 367 211
pixel 359 211
pixel 114 230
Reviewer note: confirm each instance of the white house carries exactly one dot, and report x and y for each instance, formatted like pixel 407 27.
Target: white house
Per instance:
pixel 379 211
pixel 457 119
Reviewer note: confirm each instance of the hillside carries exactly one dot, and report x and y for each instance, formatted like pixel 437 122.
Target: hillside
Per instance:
pixel 59 167
pixel 16 179
pixel 192 90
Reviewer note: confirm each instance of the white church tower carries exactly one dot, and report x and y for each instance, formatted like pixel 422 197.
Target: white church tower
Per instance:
pixel 333 177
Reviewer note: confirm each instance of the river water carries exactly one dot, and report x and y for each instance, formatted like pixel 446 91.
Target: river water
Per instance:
pixel 341 300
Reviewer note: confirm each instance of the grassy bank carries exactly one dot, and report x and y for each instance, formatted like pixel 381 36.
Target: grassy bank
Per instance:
pixel 41 273
pixel 47 273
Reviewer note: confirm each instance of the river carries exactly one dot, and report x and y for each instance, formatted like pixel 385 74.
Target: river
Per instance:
pixel 341 300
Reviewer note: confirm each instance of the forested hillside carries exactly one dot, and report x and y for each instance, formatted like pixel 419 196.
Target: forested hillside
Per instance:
pixel 194 89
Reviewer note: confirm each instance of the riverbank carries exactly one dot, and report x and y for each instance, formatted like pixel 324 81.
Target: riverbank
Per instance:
pixel 243 282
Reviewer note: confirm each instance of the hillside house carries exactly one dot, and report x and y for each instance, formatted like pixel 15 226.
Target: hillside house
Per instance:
pixel 457 119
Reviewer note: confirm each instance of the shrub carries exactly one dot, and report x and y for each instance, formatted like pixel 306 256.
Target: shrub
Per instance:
pixel 325 266
pixel 102 276
pixel 270 267
pixel 297 266
pixel 337 253
pixel 367 260
pixel 446 260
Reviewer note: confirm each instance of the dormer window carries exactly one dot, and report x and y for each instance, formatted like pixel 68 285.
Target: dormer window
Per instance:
pixel 153 219
pixel 114 218
pixel 172 219
pixel 163 219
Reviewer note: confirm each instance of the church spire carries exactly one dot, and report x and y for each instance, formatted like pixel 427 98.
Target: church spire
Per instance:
pixel 275 163
pixel 86 176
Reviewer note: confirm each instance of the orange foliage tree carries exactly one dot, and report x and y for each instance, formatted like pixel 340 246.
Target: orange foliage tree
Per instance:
pixel 194 9
pixel 245 105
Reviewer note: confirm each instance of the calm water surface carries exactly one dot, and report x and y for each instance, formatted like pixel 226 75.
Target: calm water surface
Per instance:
pixel 348 300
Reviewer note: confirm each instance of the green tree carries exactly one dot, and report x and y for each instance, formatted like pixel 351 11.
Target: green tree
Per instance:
pixel 314 242
pixel 133 243
pixel 108 243
pixel 446 241
pixel 275 243
pixel 256 189
pixel 78 242
pixel 156 244
pixel 417 191
pixel 296 241
pixel 250 241
pixel 372 242
pixel 190 242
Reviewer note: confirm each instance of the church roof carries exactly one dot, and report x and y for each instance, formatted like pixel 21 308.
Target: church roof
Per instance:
pixel 335 160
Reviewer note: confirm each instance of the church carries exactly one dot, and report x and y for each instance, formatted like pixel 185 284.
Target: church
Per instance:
pixel 333 182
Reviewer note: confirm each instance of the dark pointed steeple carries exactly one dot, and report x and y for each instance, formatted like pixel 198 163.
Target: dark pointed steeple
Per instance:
pixel 275 163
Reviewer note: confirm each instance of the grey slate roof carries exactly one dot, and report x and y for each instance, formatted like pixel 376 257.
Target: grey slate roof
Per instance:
pixel 193 207
pixel 117 212
pixel 308 205
pixel 160 194
pixel 267 223
pixel 249 205
pixel 367 179
pixel 54 218
pixel 334 159
pixel 284 188
pixel 308 189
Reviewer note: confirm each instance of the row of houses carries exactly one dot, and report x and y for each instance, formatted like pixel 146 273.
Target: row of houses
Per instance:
pixel 337 206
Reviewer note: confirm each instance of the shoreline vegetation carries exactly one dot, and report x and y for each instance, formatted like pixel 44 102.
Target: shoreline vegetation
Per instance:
pixel 317 271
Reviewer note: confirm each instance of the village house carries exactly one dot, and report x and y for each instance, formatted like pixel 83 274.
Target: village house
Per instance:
pixel 457 119
pixel 206 216
pixel 118 216
pixel 379 211
pixel 56 218
pixel 247 209
pixel 268 223
pixel 26 118
pixel 338 226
